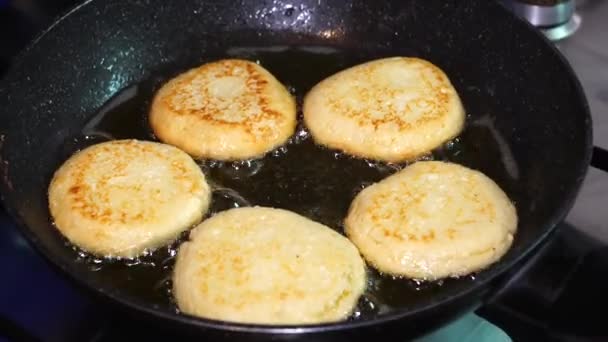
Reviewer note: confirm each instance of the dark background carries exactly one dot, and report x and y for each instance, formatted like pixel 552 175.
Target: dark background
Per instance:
pixel 22 20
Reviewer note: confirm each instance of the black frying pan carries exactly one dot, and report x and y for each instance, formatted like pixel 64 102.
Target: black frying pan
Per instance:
pixel 91 75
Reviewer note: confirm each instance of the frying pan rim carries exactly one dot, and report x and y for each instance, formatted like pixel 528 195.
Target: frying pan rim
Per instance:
pixel 397 314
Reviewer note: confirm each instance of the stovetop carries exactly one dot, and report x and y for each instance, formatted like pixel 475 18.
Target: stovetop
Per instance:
pixel 549 298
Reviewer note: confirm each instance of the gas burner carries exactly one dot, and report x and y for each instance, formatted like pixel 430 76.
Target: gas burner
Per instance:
pixel 555 18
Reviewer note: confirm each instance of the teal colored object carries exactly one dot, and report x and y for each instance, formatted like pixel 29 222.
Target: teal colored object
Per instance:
pixel 469 328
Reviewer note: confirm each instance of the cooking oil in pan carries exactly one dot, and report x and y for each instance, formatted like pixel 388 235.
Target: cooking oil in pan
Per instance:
pixel 300 176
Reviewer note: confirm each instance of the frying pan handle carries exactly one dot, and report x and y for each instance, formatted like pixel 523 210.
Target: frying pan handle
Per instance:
pixel 600 158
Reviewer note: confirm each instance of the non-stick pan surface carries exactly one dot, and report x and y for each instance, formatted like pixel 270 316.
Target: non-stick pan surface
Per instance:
pixel 90 78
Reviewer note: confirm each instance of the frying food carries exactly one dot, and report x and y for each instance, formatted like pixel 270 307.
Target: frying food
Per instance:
pixel 226 110
pixel 390 109
pixel 432 220
pixel 267 266
pixel 120 198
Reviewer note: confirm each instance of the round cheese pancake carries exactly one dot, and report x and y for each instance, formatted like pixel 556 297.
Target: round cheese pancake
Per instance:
pixel 267 266
pixel 227 110
pixel 120 198
pixel 390 109
pixel 432 220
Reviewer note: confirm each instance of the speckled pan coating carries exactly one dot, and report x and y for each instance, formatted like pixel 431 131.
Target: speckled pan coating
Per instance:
pixel 513 82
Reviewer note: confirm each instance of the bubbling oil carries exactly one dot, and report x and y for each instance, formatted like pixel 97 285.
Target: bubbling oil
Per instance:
pixel 300 176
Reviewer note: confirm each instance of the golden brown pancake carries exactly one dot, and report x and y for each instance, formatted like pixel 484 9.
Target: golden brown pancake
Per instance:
pixel 120 198
pixel 390 109
pixel 267 266
pixel 226 110
pixel 432 220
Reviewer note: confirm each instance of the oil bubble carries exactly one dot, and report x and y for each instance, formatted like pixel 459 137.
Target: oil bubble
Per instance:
pixel 225 198
pixel 236 170
pixel 384 167
pixel 300 135
pixel 292 90
pixel 360 187
pixel 281 151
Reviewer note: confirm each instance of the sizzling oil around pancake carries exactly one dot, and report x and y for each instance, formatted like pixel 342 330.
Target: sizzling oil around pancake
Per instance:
pixel 316 182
